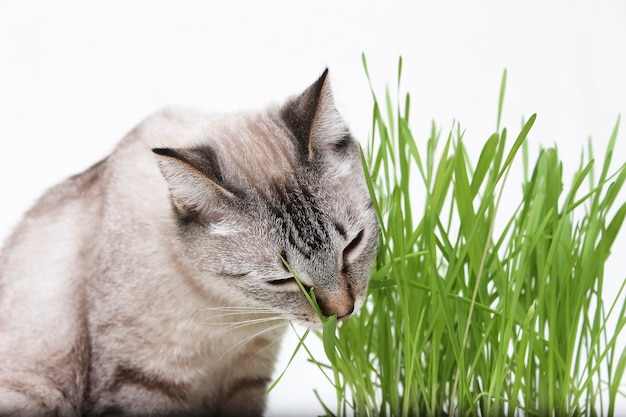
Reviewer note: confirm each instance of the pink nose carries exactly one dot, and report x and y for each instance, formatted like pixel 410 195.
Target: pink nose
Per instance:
pixel 341 305
pixel 348 314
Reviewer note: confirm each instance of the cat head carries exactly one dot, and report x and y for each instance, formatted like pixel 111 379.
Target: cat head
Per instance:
pixel 282 185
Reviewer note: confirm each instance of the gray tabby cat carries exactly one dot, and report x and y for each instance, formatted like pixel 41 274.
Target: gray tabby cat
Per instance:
pixel 152 284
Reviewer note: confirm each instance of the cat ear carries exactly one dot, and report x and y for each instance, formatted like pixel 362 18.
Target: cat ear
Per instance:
pixel 314 121
pixel 195 182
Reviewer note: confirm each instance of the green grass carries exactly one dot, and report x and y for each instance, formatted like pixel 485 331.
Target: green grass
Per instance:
pixel 466 318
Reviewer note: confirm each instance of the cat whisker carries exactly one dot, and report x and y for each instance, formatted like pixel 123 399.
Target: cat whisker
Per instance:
pixel 240 313
pixel 239 324
pixel 238 346
pixel 278 339
pixel 237 308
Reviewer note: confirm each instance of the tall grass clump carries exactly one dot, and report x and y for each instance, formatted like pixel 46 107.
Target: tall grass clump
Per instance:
pixel 466 318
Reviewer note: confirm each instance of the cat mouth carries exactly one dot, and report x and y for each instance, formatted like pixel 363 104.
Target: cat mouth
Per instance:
pixel 316 318
pixel 314 322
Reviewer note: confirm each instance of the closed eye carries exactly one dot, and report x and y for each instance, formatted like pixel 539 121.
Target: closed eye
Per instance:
pixel 351 247
pixel 282 281
pixel 288 283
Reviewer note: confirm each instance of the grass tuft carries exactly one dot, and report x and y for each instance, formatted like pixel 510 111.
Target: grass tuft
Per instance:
pixel 466 318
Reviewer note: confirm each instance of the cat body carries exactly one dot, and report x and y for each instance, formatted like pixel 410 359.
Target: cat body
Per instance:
pixel 154 283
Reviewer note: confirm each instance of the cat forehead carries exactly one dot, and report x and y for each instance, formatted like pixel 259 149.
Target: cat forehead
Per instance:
pixel 254 149
pixel 301 143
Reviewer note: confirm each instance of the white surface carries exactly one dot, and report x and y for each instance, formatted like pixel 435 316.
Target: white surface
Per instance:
pixel 75 76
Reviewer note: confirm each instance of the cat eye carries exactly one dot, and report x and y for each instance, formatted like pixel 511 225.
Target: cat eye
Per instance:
pixel 354 243
pixel 289 284
pixel 350 252
pixel 284 262
pixel 282 281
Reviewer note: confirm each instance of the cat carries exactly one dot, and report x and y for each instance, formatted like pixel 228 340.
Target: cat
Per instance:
pixel 159 281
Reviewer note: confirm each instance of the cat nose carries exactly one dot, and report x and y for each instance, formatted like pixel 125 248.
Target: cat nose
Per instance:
pixel 340 305
pixel 348 313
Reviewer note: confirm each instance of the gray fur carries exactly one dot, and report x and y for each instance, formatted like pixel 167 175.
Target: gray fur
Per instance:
pixel 152 284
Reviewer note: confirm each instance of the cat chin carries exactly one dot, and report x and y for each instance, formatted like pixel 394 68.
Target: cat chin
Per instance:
pixel 311 325
pixel 315 323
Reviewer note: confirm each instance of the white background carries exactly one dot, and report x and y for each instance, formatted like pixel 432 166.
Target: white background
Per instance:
pixel 75 76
